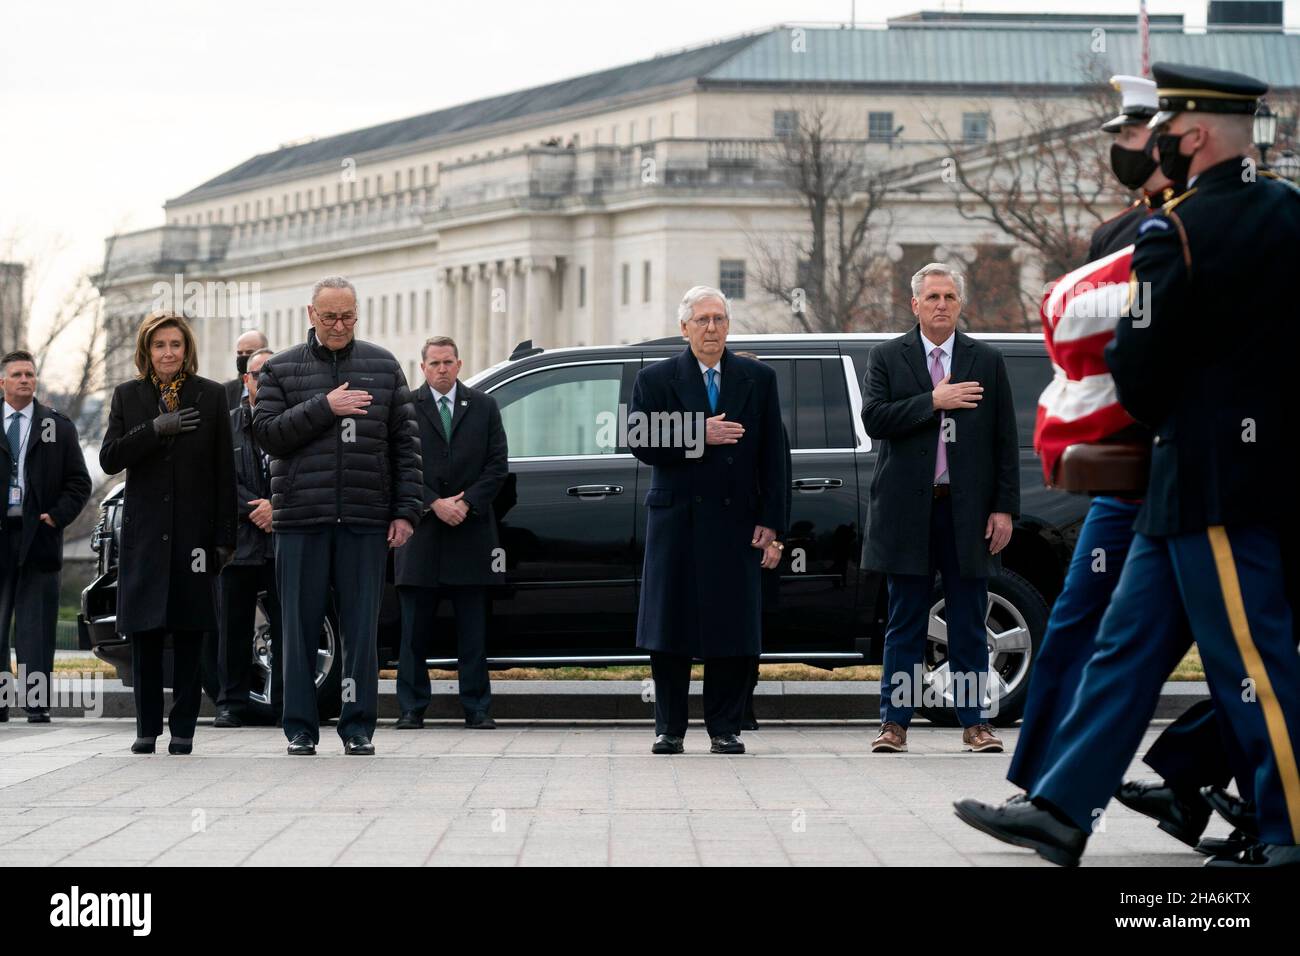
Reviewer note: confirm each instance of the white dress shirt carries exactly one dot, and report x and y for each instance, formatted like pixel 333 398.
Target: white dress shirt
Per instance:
pixel 450 397
pixel 945 348
pixel 704 370
pixel 24 439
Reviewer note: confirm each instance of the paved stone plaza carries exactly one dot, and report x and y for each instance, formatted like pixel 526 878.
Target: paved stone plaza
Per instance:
pixel 531 792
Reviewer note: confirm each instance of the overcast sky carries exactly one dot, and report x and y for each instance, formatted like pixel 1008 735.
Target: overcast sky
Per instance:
pixel 108 109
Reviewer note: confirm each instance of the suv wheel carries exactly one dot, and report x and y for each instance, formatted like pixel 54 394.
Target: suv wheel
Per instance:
pixel 329 670
pixel 1015 624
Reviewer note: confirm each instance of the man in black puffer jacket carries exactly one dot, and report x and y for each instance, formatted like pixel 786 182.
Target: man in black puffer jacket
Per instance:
pixel 336 416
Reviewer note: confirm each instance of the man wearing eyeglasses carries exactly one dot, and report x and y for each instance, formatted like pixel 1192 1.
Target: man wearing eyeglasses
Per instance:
pixel 711 513
pixel 336 416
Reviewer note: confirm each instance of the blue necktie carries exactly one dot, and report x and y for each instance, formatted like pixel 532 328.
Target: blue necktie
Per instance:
pixel 712 377
pixel 15 439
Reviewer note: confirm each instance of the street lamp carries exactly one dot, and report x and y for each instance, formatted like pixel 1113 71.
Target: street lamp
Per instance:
pixel 1288 166
pixel 1265 132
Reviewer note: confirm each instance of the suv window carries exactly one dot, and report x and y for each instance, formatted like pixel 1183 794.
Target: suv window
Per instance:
pixel 1029 375
pixel 814 402
pixel 556 411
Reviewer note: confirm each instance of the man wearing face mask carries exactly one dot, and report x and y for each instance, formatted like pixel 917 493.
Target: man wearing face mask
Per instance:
pixel 248 343
pixel 1208 550
pixel 1134 165
pixel 1108 529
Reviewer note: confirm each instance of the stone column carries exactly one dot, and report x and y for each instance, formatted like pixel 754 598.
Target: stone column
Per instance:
pixel 497 277
pixel 541 301
pixel 443 323
pixel 517 314
pixel 480 318
pixel 461 289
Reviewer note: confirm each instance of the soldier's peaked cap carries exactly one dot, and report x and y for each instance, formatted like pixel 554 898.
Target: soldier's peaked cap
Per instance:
pixel 1198 89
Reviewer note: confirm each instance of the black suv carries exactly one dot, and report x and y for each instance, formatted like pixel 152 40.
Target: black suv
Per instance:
pixel 572 524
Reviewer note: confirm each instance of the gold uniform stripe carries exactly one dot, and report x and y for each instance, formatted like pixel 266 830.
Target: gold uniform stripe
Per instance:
pixel 1273 717
pixel 1209 94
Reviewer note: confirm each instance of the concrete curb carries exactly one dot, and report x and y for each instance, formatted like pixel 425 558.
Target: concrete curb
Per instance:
pixel 592 700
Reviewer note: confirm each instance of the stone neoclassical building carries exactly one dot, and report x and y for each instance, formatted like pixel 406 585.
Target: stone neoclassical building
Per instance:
pixel 578 212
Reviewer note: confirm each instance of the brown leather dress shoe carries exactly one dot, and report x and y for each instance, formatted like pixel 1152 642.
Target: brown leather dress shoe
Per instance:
pixel 980 739
pixel 892 739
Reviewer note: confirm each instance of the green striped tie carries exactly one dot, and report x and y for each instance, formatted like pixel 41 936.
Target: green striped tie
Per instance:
pixel 444 409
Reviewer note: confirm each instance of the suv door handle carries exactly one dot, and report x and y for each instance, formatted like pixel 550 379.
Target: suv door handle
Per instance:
pixel 816 485
pixel 594 491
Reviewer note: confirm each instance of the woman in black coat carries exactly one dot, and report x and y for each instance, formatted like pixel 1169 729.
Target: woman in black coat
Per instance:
pixel 169 430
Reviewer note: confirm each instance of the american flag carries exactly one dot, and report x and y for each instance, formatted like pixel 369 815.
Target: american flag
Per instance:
pixel 1079 315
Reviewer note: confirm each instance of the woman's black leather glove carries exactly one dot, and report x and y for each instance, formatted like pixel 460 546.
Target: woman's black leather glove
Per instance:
pixel 169 424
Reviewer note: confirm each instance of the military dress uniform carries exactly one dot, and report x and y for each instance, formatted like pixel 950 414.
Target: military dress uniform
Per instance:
pixel 1207 552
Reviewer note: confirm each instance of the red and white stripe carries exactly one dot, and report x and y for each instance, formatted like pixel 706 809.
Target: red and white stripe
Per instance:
pixel 1079 315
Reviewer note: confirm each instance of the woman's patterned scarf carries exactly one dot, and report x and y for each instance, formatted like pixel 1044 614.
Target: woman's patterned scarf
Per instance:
pixel 169 391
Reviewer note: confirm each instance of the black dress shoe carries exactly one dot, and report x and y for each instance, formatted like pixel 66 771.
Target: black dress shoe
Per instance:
pixel 179 749
pixel 667 744
pixel 749 723
pixel 302 746
pixel 1182 819
pixel 1261 856
pixel 1234 843
pixel 227 718
pixel 410 720
pixel 1239 813
pixel 359 746
pixel 4 715
pixel 1023 823
pixel 480 722
pixel 726 744
pixel 40 717
pixel 144 746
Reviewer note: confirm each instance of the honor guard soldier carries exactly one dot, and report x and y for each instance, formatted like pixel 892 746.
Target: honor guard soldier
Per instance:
pixel 1208 548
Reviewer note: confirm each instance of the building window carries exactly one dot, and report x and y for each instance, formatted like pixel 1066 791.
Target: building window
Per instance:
pixel 626 274
pixel 397 313
pixel 645 281
pixel 370 313
pixel 975 127
pixel 731 278
pixel 880 127
pixel 650 128
pixel 428 308
pixel 424 175
pixel 785 123
pixel 582 287
pixel 631 132
pixel 383 315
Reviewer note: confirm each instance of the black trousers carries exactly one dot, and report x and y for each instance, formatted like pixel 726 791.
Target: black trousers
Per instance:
pixel 309 566
pixel 419 611
pixel 1191 752
pixel 239 587
pixel 187 689
pixel 29 600
pixel 726 684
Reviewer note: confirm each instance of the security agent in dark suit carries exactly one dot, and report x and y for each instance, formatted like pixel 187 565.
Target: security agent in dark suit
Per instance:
pixel 252 572
pixel 454 550
pixel 1208 549
pixel 47 487
pixel 944 495
pixel 247 343
pixel 716 501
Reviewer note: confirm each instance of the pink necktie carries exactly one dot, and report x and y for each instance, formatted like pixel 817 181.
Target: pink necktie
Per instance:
pixel 940 456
